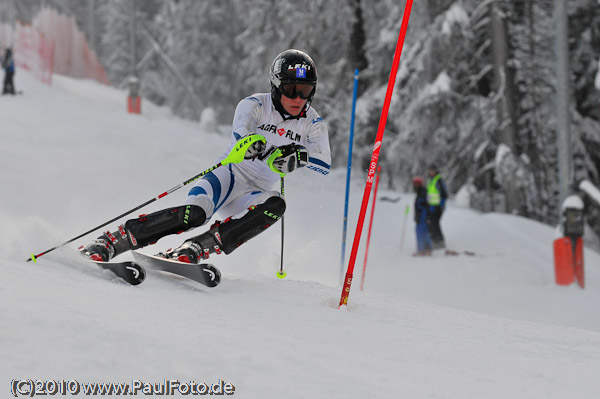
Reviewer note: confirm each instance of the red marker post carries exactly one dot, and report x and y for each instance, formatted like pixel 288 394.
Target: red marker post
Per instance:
pixel 375 156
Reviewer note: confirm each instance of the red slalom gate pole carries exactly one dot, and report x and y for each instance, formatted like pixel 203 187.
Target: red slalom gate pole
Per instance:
pixel 362 280
pixel 375 156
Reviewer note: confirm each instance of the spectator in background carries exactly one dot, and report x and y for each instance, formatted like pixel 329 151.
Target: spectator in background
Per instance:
pixel 422 218
pixel 8 65
pixel 436 197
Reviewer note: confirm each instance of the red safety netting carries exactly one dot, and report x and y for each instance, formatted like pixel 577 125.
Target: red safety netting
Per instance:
pixel 52 44
pixel 72 55
pixel 34 52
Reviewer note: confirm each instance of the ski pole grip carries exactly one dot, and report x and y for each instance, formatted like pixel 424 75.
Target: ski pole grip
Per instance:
pixel 238 153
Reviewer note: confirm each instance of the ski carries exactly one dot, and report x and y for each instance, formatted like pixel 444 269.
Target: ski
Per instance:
pixel 129 271
pixel 203 273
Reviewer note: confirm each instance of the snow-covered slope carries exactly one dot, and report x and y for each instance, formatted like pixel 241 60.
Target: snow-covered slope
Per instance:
pixel 492 325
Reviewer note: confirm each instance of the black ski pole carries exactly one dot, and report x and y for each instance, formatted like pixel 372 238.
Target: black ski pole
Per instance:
pixel 281 273
pixel 237 155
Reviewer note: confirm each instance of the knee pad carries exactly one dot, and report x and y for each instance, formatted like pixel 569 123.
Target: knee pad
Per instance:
pixel 147 229
pixel 274 205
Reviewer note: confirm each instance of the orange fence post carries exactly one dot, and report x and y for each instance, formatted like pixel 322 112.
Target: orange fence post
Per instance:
pixel 134 101
pixel 134 105
pixel 563 261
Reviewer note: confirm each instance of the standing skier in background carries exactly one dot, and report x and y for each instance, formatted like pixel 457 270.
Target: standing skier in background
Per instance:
pixel 436 197
pixel 282 132
pixel 422 218
pixel 8 65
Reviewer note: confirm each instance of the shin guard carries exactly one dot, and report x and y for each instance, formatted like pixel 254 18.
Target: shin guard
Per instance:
pixel 147 229
pixel 230 234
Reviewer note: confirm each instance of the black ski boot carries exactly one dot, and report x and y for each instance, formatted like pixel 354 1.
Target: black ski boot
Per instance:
pixel 100 250
pixel 198 248
pixel 226 236
pixel 145 230
pixel 107 246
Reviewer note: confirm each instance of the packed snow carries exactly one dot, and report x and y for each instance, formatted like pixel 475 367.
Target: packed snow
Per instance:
pixel 488 325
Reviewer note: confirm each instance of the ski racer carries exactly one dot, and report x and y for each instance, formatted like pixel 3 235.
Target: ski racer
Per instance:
pixel 281 132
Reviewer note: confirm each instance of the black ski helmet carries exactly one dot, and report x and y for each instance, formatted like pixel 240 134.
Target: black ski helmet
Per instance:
pixel 292 67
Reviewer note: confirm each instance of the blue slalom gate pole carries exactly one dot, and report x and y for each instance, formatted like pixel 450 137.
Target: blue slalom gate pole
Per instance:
pixel 354 94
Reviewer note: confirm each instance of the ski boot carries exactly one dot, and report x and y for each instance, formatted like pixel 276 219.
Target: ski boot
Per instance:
pixel 145 230
pixel 226 236
pixel 100 250
pixel 198 248
pixel 106 247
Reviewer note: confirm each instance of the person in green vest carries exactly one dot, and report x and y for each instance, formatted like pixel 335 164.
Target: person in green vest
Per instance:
pixel 436 197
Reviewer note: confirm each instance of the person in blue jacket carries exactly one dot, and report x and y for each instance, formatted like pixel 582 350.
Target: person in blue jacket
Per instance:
pixel 424 246
pixel 8 65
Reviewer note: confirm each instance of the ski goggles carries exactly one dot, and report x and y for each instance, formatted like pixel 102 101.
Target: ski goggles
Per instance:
pixel 293 90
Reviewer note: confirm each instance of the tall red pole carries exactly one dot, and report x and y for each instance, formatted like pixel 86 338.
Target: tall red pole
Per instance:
pixel 362 280
pixel 375 156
